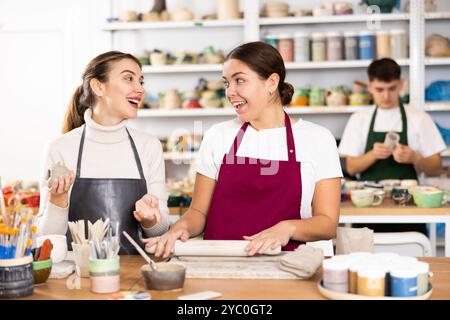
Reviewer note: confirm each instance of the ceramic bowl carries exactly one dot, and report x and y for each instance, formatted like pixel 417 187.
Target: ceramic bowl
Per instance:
pixel 168 276
pixel 429 197
pixel 42 270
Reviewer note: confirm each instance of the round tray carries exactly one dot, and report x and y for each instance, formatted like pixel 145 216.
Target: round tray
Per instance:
pixel 334 295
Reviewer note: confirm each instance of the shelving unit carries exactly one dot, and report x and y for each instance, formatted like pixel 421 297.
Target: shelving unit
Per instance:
pixel 252 28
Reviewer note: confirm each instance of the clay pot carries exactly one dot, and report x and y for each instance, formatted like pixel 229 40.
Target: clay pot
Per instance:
pixel 168 276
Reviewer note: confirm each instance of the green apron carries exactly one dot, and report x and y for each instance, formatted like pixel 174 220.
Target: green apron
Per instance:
pixel 388 168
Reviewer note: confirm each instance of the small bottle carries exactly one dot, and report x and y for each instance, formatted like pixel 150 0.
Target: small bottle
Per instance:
pixel 350 45
pixel 334 46
pixel 366 45
pixel 398 44
pixel 383 44
pixel 301 46
pixel 286 47
pixel 318 46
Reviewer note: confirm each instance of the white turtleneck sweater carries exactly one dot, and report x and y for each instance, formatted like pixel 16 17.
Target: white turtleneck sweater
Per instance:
pixel 107 153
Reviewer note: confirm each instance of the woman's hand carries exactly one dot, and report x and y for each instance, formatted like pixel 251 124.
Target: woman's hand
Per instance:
pixel 59 190
pixel 165 243
pixel 147 211
pixel 278 235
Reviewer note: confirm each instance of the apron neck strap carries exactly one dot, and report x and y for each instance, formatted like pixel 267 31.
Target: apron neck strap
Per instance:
pixel 133 146
pixel 289 139
pixel 402 113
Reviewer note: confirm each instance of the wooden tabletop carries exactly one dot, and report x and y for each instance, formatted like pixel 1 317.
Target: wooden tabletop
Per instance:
pixel 388 207
pixel 232 289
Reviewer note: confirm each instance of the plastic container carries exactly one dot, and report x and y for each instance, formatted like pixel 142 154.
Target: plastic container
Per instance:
pixel 16 277
pixel 371 281
pixel 272 39
pixel 334 46
pixel 301 46
pixel 350 45
pixel 423 269
pixel 403 282
pixel 318 46
pixel 366 45
pixel 383 44
pixel 104 275
pixel 286 47
pixel 335 274
pixel 399 48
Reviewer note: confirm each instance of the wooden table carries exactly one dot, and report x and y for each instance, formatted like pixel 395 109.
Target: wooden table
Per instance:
pixel 231 289
pixel 389 212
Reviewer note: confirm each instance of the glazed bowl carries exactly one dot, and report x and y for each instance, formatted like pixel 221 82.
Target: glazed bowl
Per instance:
pixel 42 270
pixel 168 276
pixel 429 197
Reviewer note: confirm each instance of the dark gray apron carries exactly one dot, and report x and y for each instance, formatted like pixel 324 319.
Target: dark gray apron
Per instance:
pixel 93 198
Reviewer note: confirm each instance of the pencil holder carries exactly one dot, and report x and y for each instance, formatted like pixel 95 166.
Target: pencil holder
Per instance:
pixel 104 275
pixel 16 277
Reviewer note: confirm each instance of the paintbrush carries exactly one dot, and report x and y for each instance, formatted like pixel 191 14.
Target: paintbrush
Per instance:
pixel 2 205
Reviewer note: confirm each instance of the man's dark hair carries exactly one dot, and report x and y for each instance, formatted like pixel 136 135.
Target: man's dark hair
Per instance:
pixel 385 70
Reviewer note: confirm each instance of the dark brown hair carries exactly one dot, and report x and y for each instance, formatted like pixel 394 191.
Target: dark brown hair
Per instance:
pixel 385 70
pixel 84 97
pixel 264 60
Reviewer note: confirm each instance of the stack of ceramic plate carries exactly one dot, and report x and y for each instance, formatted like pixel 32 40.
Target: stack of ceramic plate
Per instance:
pixel 276 9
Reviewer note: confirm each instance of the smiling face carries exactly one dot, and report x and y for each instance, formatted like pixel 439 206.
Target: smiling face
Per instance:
pixel 245 90
pixel 119 97
pixel 385 94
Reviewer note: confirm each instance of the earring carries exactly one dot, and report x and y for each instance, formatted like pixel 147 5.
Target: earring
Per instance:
pixel 270 92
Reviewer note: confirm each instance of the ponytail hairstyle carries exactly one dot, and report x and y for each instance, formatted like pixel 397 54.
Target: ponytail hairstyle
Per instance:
pixel 83 97
pixel 264 60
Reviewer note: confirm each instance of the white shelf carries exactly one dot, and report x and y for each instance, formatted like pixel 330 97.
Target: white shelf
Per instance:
pixel 437 15
pixel 193 68
pixel 182 68
pixel 180 156
pixel 143 113
pixel 118 26
pixel 437 61
pixel 336 64
pixel 437 106
pixel 334 19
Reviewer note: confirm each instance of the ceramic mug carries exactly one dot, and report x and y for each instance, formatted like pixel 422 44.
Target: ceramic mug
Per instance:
pixel 401 196
pixel 388 185
pixel 429 197
pixel 59 242
pixel 366 197
pixel 409 183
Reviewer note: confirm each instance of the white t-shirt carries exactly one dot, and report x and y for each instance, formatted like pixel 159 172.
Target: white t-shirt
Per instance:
pixel 423 135
pixel 315 148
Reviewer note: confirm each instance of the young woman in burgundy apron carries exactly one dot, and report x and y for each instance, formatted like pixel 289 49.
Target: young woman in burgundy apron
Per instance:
pixel 246 202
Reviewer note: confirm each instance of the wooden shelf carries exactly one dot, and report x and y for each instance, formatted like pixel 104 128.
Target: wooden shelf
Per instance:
pixel 139 25
pixel 437 106
pixel 334 19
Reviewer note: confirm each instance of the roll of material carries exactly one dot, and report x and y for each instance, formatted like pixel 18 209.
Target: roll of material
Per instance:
pixel 224 248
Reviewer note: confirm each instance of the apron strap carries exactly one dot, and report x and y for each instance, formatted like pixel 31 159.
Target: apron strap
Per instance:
pixel 404 133
pixel 238 139
pixel 289 139
pixel 80 152
pixel 133 146
pixel 136 155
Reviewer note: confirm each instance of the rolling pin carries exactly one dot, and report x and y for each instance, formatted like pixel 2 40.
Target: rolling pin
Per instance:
pixel 211 248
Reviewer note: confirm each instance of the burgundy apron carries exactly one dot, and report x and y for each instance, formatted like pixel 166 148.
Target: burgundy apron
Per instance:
pixel 247 201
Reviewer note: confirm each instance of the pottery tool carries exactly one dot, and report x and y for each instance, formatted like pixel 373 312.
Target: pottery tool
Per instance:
pixel 223 248
pixel 141 252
